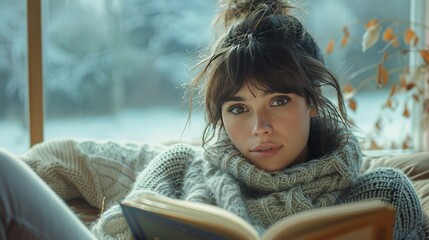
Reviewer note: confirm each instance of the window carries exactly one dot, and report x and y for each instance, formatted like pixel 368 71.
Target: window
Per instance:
pixel 114 69
pixel 14 133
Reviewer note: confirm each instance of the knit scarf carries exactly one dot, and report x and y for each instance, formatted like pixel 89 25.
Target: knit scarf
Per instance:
pixel 262 198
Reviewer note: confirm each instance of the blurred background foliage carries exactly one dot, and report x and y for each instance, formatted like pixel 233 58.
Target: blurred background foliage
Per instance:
pixel 104 55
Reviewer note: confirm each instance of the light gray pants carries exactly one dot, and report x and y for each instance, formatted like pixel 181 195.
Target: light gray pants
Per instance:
pixel 29 209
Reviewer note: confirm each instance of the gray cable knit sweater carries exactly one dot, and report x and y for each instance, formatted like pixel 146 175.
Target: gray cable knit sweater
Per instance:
pixel 219 176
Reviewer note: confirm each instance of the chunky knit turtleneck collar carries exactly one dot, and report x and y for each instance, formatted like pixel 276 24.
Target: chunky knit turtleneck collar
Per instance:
pixel 343 163
pixel 270 196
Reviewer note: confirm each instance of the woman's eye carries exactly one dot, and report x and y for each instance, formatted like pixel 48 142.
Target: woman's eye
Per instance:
pixel 278 101
pixel 236 109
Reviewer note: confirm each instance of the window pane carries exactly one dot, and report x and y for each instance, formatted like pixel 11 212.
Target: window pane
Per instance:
pixel 14 133
pixel 113 69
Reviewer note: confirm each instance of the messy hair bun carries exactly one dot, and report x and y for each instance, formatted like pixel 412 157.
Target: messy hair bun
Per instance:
pixel 231 10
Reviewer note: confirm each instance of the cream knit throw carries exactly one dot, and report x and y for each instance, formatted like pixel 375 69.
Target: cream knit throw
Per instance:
pixel 94 170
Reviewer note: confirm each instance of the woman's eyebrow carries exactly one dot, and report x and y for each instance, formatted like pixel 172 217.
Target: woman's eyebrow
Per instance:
pixel 236 99
pixel 268 92
pixel 242 99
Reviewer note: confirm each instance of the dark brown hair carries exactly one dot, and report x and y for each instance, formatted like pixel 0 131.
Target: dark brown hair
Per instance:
pixel 263 46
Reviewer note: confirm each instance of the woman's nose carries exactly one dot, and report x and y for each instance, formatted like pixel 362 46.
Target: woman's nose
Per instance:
pixel 262 125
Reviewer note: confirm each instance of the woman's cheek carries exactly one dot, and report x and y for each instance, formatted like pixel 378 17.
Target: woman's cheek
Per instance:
pixel 236 130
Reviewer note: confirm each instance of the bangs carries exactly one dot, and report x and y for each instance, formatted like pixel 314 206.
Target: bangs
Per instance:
pixel 262 69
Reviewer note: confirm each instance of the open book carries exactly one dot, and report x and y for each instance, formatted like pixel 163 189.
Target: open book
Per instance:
pixel 156 217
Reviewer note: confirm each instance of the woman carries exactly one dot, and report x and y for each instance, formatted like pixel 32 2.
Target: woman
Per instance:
pixel 274 145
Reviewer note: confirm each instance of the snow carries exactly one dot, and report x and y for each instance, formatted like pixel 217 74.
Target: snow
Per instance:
pixel 158 125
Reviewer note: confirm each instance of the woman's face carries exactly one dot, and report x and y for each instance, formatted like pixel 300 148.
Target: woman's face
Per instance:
pixel 270 129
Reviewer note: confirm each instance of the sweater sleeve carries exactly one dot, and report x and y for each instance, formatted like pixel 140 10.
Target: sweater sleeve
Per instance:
pixel 163 175
pixel 392 186
pixel 89 169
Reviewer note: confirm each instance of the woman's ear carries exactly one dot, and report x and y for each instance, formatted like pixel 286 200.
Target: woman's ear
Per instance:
pixel 313 110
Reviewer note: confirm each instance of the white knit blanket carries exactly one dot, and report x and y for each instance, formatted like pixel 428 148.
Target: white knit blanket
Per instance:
pixel 89 169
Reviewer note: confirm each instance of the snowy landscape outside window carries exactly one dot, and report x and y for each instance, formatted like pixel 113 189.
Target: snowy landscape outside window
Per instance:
pixel 114 69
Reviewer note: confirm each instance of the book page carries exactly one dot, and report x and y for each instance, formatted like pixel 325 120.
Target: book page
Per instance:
pixel 373 217
pixel 358 234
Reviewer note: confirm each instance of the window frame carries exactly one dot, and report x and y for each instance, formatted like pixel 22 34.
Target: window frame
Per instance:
pixel 35 71
pixel 419 14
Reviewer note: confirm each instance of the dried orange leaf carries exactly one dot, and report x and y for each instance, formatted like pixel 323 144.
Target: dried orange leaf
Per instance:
pixel 405 145
pixel 374 145
pixel 371 23
pixel 370 37
pixel 344 41
pixel 346 36
pixel 352 104
pixel 378 125
pixel 425 55
pixel 410 37
pixel 410 86
pixel 389 35
pixel 385 56
pixel 392 90
pixel 348 88
pixel 416 97
pixel 406 113
pixel 389 103
pixel 382 75
pixel 330 46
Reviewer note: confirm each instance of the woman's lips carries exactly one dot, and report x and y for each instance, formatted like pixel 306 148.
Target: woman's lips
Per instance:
pixel 265 150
